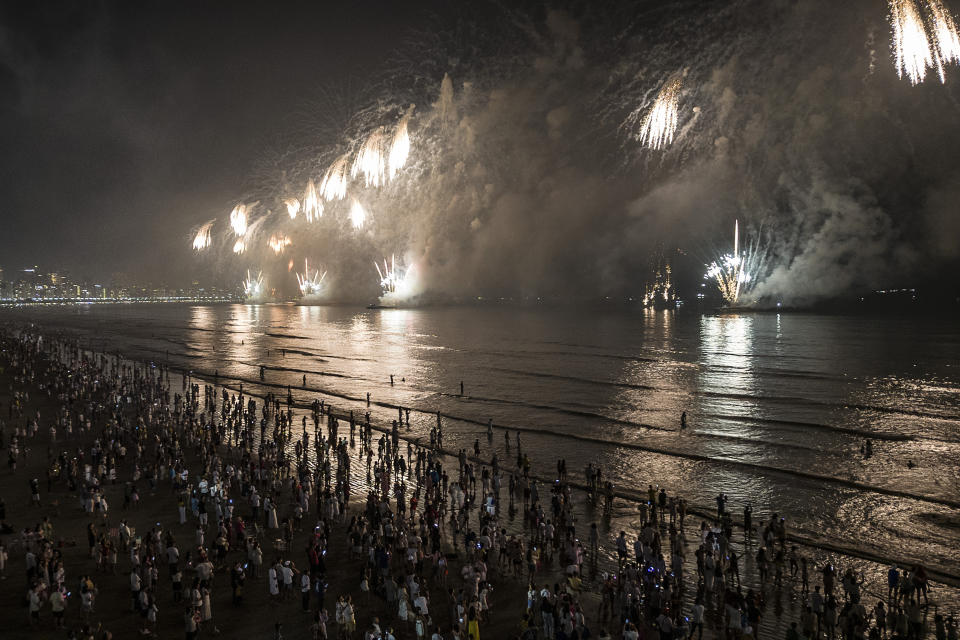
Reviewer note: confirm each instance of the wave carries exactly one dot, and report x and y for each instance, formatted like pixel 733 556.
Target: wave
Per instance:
pixel 749 466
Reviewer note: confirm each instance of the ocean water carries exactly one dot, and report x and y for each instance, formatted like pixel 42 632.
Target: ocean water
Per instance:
pixel 778 405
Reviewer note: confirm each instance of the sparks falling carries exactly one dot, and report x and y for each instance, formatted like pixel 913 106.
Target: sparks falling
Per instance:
pixel 400 147
pixel 334 184
pixel 661 123
pixel 312 206
pixel 239 246
pixel 253 287
pixel 310 282
pixel 946 41
pixel 278 242
pixel 370 161
pixel 735 272
pixel 293 207
pixel 911 46
pixel 238 219
pixel 202 240
pixel 358 214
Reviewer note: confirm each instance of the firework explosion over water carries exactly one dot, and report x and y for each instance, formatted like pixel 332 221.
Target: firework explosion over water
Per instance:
pixel 531 152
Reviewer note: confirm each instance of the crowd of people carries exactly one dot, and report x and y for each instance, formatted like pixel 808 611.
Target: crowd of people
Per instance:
pixel 410 540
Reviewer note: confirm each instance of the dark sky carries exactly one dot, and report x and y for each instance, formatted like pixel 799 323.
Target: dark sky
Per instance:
pixel 123 124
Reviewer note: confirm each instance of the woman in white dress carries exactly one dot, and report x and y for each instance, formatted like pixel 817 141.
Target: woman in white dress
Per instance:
pixel 403 607
pixel 272 517
pixel 274 582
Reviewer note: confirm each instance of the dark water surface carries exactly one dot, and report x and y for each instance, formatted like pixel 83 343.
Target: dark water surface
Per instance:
pixel 778 405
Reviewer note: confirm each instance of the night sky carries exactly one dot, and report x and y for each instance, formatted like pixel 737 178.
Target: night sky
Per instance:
pixel 125 126
pixel 123 123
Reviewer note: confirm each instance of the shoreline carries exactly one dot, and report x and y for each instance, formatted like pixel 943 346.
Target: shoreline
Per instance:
pixel 620 494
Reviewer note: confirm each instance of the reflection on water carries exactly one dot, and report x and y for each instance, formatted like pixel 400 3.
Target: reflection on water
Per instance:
pixel 779 404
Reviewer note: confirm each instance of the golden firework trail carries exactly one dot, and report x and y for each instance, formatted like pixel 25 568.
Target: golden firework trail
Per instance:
pixel 943 31
pixel 238 219
pixel 334 184
pixel 311 283
pixel 358 215
pixel 278 242
pixel 253 287
pixel 239 246
pixel 202 240
pixel 734 273
pixel 661 123
pixel 400 147
pixel 911 46
pixel 293 207
pixel 312 206
pixel 370 161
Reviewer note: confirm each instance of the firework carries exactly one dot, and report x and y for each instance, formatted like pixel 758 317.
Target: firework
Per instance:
pixel 239 246
pixel 660 292
pixel 238 219
pixel 253 287
pixel 910 44
pixel 312 206
pixel 334 184
pixel 311 283
pixel 278 242
pixel 370 160
pixel 358 214
pixel 293 207
pixel 202 240
pixel 400 147
pixel 946 42
pixel 661 122
pixel 398 284
pixel 735 273
pixel 390 278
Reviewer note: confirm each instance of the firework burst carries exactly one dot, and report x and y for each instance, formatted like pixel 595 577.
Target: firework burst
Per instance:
pixel 397 283
pixel 310 282
pixel 370 160
pixel 293 207
pixel 253 287
pixel 278 242
pixel 400 147
pixel 943 30
pixel 202 240
pixel 334 184
pixel 238 219
pixel 358 215
pixel 911 46
pixel 312 206
pixel 661 122
pixel 736 273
